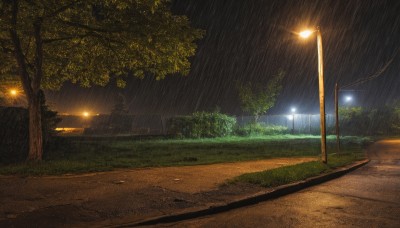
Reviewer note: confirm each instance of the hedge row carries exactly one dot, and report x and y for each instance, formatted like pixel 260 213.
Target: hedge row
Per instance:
pixel 202 125
pixel 215 124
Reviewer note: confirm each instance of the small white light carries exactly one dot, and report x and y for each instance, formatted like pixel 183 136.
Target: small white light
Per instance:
pixel 348 98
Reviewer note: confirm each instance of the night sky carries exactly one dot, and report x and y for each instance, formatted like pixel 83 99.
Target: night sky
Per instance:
pixel 249 41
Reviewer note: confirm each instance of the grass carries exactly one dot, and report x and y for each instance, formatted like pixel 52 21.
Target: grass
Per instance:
pixel 71 155
pixel 289 174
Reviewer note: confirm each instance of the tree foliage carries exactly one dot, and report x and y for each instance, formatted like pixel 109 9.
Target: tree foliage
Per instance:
pixel 120 120
pixel 90 41
pixel 202 125
pixel 257 100
pixel 119 106
pixel 377 121
pixel 48 42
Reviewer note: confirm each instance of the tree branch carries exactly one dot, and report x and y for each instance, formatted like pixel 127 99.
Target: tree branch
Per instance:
pixel 19 55
pixel 38 55
pixel 4 47
pixel 47 41
pixel 88 28
pixel 61 9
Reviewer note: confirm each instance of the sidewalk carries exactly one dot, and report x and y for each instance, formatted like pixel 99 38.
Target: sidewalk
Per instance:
pixel 124 196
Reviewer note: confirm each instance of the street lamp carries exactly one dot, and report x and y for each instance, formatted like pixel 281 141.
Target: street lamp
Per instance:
pixel 348 99
pixel 305 34
pixel 293 110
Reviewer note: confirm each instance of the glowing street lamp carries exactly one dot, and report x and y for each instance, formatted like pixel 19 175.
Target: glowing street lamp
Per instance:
pixel 305 34
pixel 348 99
pixel 85 114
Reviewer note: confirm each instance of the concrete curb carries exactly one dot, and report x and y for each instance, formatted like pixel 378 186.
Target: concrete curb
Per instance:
pixel 249 200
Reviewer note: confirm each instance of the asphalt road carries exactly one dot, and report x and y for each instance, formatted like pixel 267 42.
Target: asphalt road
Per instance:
pixel 367 197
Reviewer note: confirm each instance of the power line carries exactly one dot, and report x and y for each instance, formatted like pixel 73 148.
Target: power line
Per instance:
pixel 377 74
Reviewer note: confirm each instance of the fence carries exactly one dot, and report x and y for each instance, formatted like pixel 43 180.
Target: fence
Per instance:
pixel 156 124
pixel 297 123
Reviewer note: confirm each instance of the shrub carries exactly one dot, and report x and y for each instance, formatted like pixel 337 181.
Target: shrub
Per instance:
pixel 253 129
pixel 381 121
pixel 202 125
pixel 13 134
pixel 14 122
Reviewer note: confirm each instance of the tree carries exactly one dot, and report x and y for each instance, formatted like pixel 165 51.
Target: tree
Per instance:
pixel 257 100
pixel 14 131
pixel 120 120
pixel 119 106
pixel 45 43
pixel 50 119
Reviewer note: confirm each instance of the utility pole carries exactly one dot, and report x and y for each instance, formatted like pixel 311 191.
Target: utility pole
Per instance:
pixel 337 118
pixel 321 96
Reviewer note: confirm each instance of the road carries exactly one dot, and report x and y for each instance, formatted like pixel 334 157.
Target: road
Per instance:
pixel 367 197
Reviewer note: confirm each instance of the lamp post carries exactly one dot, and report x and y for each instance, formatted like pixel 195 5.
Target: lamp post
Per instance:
pixel 305 34
pixel 293 110
pixel 337 130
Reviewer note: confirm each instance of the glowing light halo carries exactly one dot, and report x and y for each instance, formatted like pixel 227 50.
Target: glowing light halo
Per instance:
pixel 306 33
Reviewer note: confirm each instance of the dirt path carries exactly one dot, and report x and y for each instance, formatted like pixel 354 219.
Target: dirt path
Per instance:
pixel 125 194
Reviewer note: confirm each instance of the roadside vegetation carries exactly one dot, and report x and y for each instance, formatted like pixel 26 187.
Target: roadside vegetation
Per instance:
pixel 289 174
pixel 90 155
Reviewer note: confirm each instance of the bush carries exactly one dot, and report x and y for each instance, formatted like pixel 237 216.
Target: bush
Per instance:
pixel 382 121
pixel 202 125
pixel 253 129
pixel 14 132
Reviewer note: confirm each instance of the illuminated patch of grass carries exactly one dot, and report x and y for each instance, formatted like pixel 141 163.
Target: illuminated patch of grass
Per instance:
pixel 289 174
pixel 70 155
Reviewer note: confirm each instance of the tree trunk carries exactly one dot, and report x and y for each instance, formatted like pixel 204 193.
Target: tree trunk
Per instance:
pixel 35 129
pixel 256 118
pixel 31 85
pixel 35 115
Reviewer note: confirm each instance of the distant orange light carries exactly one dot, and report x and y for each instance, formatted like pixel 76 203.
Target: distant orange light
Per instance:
pixel 13 92
pixel 85 114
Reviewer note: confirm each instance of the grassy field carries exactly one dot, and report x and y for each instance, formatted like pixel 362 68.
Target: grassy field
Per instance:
pixel 69 155
pixel 289 174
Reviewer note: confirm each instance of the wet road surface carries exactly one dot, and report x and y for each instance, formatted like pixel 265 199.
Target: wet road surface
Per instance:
pixel 367 197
